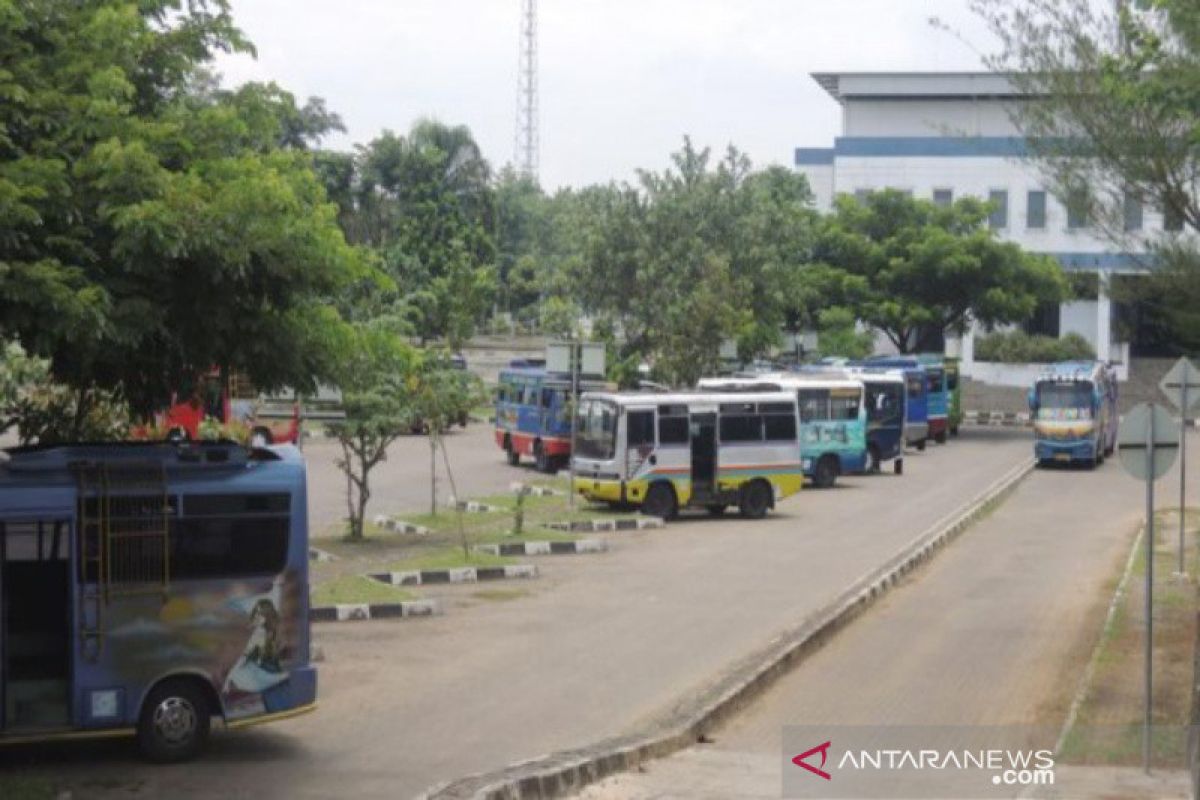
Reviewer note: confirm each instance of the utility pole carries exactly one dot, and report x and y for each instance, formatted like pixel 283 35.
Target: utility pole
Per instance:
pixel 525 148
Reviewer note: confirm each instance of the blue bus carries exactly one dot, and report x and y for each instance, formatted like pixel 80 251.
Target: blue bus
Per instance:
pixel 885 397
pixel 146 588
pixel 917 398
pixel 1074 409
pixel 533 414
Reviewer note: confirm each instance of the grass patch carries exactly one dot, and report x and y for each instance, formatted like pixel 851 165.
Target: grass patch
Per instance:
pixel 1108 730
pixel 25 787
pixel 448 558
pixel 357 589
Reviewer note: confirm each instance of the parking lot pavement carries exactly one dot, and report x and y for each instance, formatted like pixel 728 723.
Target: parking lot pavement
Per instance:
pixel 598 644
pixel 401 483
pixel 995 631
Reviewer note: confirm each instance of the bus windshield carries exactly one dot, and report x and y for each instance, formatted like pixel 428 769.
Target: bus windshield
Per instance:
pixel 596 434
pixel 1056 398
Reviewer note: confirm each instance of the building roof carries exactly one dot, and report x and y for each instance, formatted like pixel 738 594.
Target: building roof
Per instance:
pixel 842 86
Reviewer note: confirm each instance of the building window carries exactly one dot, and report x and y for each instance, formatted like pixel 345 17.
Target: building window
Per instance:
pixel 1133 213
pixel 1172 219
pixel 1079 208
pixel 998 216
pixel 943 197
pixel 1035 209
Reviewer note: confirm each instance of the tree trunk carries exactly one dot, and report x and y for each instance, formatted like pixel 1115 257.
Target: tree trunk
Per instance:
pixel 432 476
pixel 364 494
pixel 462 529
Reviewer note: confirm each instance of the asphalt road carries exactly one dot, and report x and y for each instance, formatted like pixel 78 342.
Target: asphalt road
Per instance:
pixel 590 649
pixel 994 632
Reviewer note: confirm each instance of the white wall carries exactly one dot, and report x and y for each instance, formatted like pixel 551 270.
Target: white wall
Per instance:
pixel 927 118
pixel 1078 316
pixel 820 180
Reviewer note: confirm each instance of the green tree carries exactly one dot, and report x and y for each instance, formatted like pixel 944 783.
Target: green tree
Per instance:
pixel 1116 123
pixel 154 228
pixel 924 269
pixel 838 335
pixel 376 376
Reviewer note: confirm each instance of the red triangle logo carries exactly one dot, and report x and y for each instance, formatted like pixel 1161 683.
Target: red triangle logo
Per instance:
pixel 823 749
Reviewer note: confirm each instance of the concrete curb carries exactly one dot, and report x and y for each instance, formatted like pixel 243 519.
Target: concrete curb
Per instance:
pixel 568 771
pixel 320 556
pixel 354 612
pixel 996 419
pixel 471 507
pixel 598 525
pixel 400 526
pixel 424 577
pixel 543 548
pixel 535 491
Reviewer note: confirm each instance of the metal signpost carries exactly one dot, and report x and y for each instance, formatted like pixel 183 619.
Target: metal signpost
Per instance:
pixel 578 357
pixel 1181 385
pixel 1148 441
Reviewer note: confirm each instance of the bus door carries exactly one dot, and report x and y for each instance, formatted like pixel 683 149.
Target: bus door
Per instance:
pixel 35 624
pixel 703 428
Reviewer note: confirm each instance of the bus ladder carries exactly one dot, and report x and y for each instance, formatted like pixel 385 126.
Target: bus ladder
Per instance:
pixel 123 541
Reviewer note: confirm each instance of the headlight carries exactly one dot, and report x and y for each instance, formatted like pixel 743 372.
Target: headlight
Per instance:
pixel 806 463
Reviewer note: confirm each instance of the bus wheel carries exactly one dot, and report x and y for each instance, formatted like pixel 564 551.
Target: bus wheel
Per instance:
pixel 174 722
pixel 660 501
pixel 941 437
pixel 826 473
pixel 921 444
pixel 545 462
pixel 872 464
pixel 755 499
pixel 514 457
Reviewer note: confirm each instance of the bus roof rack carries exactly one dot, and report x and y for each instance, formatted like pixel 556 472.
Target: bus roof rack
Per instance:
pixel 67 455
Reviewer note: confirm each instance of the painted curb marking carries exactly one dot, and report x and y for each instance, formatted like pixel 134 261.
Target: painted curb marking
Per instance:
pixel 535 491
pixel 400 526
pixel 471 507
pixel 354 612
pixel 425 577
pixel 569 771
pixel 598 525
pixel 544 548
pixel 320 556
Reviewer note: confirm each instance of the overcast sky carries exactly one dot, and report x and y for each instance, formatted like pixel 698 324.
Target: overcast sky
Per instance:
pixel 621 81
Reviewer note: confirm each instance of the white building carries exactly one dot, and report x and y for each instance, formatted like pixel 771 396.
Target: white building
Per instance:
pixel 947 135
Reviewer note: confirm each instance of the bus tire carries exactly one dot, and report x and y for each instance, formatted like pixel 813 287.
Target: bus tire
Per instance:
pixel 544 461
pixel 898 466
pixel 921 445
pixel 941 437
pixel 872 466
pixel 660 501
pixel 514 458
pixel 175 721
pixel 825 474
pixel 754 499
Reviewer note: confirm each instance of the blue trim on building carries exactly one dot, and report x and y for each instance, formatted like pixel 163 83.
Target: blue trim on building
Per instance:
pixel 814 156
pixel 930 146
pixel 1109 262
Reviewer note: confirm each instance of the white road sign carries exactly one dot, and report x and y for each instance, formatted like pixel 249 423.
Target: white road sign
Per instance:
pixel 1148 427
pixel 1182 384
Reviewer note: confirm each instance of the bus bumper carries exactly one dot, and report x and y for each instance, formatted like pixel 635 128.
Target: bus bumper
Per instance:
pixel 937 426
pixel 1065 451
pixel 603 490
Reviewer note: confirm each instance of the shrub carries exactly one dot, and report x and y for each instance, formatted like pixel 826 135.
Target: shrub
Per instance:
pixel 1018 347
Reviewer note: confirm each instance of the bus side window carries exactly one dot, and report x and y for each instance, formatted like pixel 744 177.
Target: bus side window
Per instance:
pixel 844 408
pixel 780 427
pixel 529 396
pixel 673 430
pixel 639 428
pixel 814 405
pixel 547 398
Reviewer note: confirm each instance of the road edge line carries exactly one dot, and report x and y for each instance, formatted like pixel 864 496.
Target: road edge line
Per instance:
pixel 557 774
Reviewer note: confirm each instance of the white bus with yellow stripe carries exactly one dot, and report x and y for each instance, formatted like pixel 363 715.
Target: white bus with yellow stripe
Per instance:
pixel 712 450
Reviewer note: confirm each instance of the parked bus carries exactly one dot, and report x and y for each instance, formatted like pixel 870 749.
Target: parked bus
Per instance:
pixel 533 414
pixel 833 420
pixel 668 451
pixel 916 423
pixel 1074 409
pixel 146 588
pixel 885 398
pixel 236 402
pixel 942 394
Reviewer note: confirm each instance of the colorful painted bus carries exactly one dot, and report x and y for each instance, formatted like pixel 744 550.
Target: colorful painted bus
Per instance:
pixel 833 419
pixel 235 401
pixel 1074 409
pixel 916 424
pixel 942 394
pixel 533 414
pixel 147 588
pixel 885 396
pixel 668 451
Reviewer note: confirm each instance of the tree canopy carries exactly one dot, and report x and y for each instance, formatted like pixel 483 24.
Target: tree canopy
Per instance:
pixel 152 226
